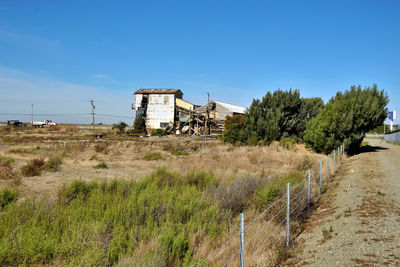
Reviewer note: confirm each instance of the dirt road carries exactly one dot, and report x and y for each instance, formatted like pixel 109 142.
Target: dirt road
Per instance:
pixel 357 222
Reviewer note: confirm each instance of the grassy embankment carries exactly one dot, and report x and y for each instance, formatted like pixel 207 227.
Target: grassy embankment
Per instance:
pixel 163 219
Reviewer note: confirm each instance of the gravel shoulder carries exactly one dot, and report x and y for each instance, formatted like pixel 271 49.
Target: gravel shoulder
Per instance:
pixel 357 222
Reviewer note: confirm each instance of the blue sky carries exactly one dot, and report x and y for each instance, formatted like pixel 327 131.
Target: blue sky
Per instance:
pixel 60 54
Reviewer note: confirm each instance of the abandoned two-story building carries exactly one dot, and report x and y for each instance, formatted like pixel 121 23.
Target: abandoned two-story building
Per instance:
pixel 158 107
pixel 166 109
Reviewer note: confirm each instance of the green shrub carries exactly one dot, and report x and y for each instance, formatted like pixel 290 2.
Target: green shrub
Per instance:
pixel 7 160
pixel 7 196
pixel 33 167
pixel 276 188
pixel 101 165
pixel 201 179
pixel 158 132
pixel 288 143
pixel 152 156
pixel 93 157
pixel 20 150
pixel 139 126
pixel 71 191
pixel 180 153
pixel 233 130
pixel 53 163
pixel 120 127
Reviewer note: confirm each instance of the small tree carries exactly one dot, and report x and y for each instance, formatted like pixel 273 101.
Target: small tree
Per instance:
pixel 139 126
pixel 120 127
pixel 233 132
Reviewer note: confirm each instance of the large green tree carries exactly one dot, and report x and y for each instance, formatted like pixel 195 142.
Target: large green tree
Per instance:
pixel 346 118
pixel 278 115
pixel 310 108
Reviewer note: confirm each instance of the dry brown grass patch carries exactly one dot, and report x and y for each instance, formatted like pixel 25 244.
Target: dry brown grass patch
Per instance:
pixel 33 168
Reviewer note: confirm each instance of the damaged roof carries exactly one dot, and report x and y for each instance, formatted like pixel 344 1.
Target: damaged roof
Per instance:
pixel 233 108
pixel 157 91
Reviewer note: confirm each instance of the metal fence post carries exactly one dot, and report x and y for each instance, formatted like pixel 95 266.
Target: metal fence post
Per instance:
pixel 343 149
pixel 241 240
pixel 309 189
pixel 288 214
pixel 338 155
pixel 329 171
pixel 334 161
pixel 320 176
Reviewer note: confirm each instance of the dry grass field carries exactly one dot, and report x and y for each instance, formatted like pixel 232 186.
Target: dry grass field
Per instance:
pixel 134 158
pixel 42 164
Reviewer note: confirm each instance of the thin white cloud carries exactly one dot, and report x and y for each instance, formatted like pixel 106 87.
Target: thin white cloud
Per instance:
pixel 101 76
pixel 32 40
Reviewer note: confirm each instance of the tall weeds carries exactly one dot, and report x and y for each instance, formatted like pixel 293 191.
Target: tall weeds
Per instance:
pixel 165 219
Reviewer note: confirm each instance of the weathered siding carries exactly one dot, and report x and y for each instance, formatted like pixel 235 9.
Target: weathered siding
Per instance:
pixel 184 104
pixel 138 103
pixel 160 109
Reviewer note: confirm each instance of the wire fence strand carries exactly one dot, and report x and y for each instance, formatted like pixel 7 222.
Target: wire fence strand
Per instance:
pixel 299 199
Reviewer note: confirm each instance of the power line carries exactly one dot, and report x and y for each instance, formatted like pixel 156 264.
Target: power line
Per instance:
pixel 44 114
pixel 66 114
pixel 116 116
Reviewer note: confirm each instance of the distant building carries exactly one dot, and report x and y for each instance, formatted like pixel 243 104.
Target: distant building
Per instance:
pixel 165 109
pixel 219 110
pixel 161 108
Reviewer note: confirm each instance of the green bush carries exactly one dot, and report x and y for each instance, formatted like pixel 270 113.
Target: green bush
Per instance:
pixel 120 127
pixel 7 160
pixel 53 163
pixel 100 165
pixel 158 132
pixel 139 126
pixel 276 188
pixel 288 143
pixel 180 153
pixel 233 131
pixel 346 119
pixel 69 192
pixel 152 156
pixel 7 196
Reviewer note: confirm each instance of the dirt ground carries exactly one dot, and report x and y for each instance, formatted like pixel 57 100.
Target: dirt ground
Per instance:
pixel 357 222
pixel 125 158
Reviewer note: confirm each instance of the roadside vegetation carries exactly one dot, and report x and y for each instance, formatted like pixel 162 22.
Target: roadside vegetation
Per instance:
pixel 160 220
pixel 284 114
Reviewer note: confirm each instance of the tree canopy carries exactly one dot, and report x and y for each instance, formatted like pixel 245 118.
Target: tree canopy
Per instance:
pixel 278 115
pixel 346 118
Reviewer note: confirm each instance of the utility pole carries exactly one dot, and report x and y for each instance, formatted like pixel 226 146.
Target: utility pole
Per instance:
pixel 32 115
pixel 93 107
pixel 208 114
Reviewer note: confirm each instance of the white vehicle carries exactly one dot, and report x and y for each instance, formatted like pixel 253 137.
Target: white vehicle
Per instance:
pixel 50 123
pixel 41 124
pixel 38 124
